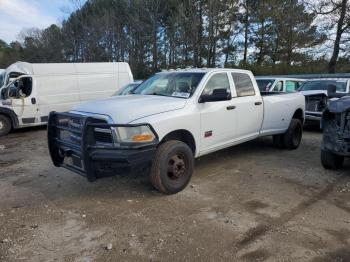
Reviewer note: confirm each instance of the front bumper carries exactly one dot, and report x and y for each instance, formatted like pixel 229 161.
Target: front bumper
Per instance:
pixel 74 145
pixel 313 116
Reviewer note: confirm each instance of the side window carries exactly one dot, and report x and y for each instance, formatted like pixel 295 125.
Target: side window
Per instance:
pixel 217 81
pixel 21 88
pixel 25 86
pixel 278 87
pixel 299 84
pixel 244 85
pixel 291 86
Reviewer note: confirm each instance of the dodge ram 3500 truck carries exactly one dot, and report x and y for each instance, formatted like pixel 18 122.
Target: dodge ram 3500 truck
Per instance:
pixel 172 118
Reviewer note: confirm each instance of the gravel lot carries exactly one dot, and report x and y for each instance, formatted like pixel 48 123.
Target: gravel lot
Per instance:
pixel 252 202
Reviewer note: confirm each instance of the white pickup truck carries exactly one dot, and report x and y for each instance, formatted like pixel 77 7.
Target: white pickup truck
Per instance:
pixel 172 118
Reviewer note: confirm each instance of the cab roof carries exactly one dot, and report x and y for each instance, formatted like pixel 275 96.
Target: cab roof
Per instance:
pixel 204 70
pixel 278 78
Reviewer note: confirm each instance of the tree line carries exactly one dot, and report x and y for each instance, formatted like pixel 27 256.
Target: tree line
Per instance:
pixel 266 36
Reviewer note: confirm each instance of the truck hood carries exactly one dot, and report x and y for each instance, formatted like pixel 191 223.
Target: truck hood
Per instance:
pixel 125 109
pixel 339 105
pixel 313 92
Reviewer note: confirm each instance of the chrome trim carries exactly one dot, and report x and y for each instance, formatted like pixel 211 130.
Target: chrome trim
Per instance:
pixel 97 116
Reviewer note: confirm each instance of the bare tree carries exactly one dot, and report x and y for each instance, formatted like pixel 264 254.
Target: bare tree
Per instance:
pixel 337 12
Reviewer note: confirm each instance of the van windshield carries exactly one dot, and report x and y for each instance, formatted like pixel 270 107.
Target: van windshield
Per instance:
pixel 174 84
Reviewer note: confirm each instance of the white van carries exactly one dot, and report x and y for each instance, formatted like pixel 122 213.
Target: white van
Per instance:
pixel 29 92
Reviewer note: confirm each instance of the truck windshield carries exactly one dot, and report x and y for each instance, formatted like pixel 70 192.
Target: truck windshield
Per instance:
pixel 126 90
pixel 174 84
pixel 265 84
pixel 323 85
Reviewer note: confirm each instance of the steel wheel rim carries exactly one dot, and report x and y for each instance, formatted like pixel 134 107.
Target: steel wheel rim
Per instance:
pixel 2 125
pixel 176 167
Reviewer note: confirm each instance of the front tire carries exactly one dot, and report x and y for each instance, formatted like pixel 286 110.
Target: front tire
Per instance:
pixel 330 160
pixel 5 125
pixel 294 134
pixel 172 167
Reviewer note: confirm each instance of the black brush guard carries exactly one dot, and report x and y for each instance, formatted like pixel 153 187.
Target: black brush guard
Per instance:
pixel 73 137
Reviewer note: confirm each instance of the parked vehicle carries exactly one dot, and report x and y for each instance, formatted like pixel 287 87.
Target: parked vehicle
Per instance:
pixel 173 118
pixel 278 84
pixel 128 89
pixel 315 92
pixel 29 92
pixel 336 130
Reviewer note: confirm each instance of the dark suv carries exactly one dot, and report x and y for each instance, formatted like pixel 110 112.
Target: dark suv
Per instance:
pixel 335 123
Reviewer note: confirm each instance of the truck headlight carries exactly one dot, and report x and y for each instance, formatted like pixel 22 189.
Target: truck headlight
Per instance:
pixel 134 134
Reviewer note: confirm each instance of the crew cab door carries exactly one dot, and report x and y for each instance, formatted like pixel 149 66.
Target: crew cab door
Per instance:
pixel 218 116
pixel 249 107
pixel 22 95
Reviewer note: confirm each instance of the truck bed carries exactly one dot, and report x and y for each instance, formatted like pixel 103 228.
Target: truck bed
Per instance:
pixel 279 108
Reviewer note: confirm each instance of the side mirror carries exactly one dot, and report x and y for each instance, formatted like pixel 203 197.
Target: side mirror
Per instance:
pixel 3 93
pixel 12 91
pixel 219 94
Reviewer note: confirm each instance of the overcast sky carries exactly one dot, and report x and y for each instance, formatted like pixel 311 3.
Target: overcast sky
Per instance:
pixel 18 14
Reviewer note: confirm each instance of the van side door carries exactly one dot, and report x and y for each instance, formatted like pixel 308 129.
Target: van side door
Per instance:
pixel 249 107
pixel 23 96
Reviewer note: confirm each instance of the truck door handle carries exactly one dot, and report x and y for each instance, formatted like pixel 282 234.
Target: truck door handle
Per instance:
pixel 230 107
pixel 33 100
pixel 257 103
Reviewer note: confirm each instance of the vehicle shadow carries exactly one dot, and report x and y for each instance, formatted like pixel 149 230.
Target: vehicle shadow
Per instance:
pixel 64 184
pixel 28 129
pixel 314 128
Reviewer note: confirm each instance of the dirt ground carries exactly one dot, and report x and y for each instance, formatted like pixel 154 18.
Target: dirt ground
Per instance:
pixel 252 202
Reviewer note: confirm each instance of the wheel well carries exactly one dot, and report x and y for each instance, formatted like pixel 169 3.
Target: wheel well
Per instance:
pixel 299 115
pixel 10 115
pixel 181 135
pixel 9 118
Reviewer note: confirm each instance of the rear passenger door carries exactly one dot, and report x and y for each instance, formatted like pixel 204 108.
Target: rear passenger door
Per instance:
pixel 249 107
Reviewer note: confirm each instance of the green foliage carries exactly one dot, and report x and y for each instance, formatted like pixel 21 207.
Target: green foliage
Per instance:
pixel 151 35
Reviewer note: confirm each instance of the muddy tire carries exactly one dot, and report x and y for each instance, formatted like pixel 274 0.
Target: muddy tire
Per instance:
pixel 330 160
pixel 294 134
pixel 172 167
pixel 5 125
pixel 278 141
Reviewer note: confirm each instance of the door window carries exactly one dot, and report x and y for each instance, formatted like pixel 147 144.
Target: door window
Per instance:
pixel 292 86
pixel 21 88
pixel 278 87
pixel 243 84
pixel 217 81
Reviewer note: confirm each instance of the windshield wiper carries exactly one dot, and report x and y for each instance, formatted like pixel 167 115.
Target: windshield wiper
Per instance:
pixel 157 94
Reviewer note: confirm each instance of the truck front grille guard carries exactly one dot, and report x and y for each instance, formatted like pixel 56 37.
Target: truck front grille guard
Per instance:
pixel 336 132
pixel 77 136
